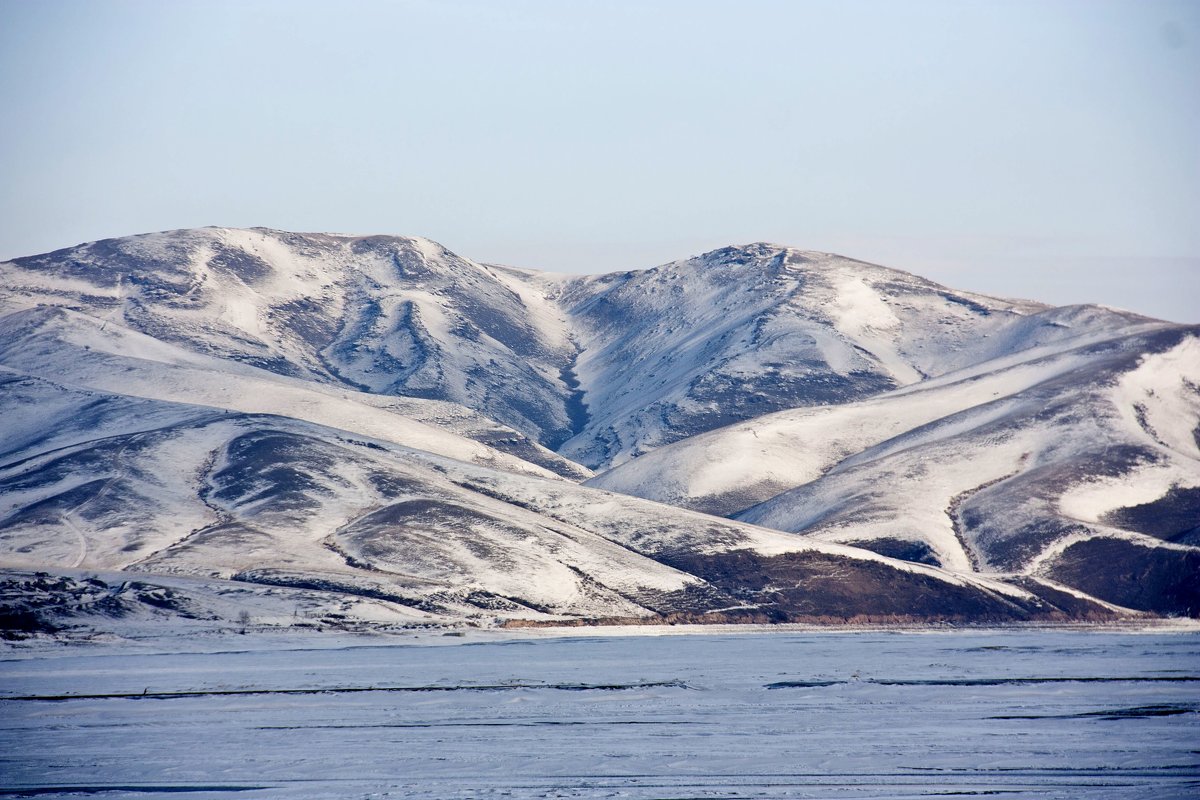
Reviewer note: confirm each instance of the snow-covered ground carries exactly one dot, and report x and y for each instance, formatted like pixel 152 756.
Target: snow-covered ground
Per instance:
pixel 1049 714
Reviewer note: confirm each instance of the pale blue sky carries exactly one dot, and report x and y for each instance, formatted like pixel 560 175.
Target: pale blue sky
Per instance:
pixel 1042 149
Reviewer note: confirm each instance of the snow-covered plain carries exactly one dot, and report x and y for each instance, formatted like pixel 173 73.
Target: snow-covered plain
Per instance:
pixel 787 714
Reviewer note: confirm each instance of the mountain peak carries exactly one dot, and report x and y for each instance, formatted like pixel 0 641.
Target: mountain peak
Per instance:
pixel 744 253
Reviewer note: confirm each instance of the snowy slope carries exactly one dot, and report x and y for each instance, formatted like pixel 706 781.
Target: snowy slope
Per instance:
pixel 190 490
pixel 725 471
pixel 1076 462
pixel 736 333
pixel 70 347
pixel 384 315
pixel 1091 478
pixel 172 489
pixel 372 418
pixel 601 369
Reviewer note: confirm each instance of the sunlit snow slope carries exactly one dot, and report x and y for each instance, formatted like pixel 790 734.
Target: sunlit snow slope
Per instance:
pixel 1077 463
pixel 378 418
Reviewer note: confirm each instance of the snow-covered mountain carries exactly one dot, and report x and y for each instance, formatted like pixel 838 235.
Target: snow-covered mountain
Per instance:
pixel 1073 462
pixel 185 490
pixel 379 420
pixel 730 335
pixel 601 368
pixel 379 314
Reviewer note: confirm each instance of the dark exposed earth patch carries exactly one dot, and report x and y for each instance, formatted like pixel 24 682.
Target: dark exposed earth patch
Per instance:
pixel 795 587
pixel 1153 579
pixel 1174 517
pixel 917 552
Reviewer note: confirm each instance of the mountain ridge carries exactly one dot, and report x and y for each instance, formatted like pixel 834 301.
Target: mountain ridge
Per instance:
pixel 288 368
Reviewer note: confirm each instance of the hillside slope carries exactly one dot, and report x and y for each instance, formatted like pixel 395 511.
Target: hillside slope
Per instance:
pixel 601 369
pixel 382 315
pixel 377 425
pixel 153 487
pixel 1072 463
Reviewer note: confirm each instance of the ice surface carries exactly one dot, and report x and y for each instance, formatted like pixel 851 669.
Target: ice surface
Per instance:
pixel 1047 714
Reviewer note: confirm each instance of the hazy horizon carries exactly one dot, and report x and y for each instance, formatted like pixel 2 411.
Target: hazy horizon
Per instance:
pixel 1042 150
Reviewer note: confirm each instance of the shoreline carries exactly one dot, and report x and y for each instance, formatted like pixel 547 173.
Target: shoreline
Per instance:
pixel 225 640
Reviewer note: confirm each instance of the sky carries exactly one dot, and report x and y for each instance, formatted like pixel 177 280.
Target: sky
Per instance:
pixel 1047 150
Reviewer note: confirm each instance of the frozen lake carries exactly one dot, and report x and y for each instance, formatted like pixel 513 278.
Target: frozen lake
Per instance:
pixel 778 715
